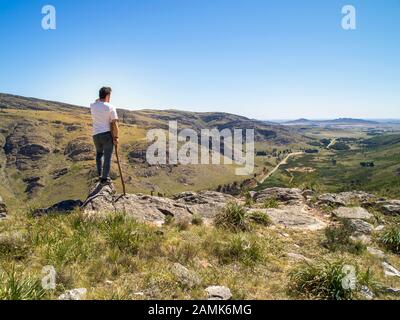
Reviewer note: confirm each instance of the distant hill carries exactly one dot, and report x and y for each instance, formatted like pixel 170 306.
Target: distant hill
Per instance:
pixel 339 121
pixel 384 140
pixel 147 118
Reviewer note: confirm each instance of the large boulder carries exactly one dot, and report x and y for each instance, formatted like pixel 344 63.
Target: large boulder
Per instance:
pixel 361 227
pixel 389 270
pixel 205 204
pixel 66 206
pixel 352 213
pixel 218 293
pixel 3 209
pixel 346 198
pixel 331 199
pixel 103 200
pixel 361 197
pixel 285 195
pixel 295 217
pixel 390 207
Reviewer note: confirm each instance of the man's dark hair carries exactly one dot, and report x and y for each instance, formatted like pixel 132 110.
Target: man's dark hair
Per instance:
pixel 104 92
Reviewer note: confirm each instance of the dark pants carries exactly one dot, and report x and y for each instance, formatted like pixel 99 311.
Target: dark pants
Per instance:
pixel 104 149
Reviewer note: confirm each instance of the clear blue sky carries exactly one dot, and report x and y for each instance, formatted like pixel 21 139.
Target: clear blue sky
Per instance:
pixel 266 59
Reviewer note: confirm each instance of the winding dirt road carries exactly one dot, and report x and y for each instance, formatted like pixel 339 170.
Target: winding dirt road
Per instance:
pixel 284 161
pixel 333 141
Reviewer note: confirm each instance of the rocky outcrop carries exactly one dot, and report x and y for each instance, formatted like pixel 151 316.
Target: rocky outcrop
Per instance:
pixel 352 213
pixel 103 200
pixel 33 184
pixel 294 210
pixel 285 195
pixel 346 198
pixel 80 149
pixel 389 270
pixel 361 227
pixel 331 199
pixel 56 174
pixel 3 209
pixel 205 204
pixel 66 206
pixel 390 207
pixel 295 217
pixel 376 252
pixel 26 146
pixel 361 197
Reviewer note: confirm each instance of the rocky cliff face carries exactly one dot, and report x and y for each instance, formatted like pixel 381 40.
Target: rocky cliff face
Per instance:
pixel 27 146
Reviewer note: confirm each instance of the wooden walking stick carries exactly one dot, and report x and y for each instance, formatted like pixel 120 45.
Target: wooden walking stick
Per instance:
pixel 120 170
pixel 114 134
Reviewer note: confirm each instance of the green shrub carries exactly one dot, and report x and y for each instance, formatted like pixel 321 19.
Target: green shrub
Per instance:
pixel 391 239
pixel 337 238
pixel 232 217
pixel 13 245
pixel 197 220
pixel 260 217
pixel 182 224
pixel 14 288
pixel 238 248
pixel 168 220
pixel 126 234
pixel 249 201
pixel 271 204
pixel 325 281
pixel 182 252
pixel 62 240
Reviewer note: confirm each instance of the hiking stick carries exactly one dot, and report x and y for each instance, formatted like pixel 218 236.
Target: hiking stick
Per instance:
pixel 120 170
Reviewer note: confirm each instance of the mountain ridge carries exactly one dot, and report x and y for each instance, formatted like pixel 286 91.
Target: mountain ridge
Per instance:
pixel 337 121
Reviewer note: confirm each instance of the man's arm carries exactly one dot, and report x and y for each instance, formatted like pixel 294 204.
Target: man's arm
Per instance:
pixel 115 131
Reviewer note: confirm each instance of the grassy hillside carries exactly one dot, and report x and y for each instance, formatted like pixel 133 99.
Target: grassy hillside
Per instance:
pixel 60 163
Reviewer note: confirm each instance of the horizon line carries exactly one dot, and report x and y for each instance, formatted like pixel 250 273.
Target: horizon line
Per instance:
pixel 277 120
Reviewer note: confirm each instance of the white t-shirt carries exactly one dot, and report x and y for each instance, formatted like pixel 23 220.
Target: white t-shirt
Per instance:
pixel 102 114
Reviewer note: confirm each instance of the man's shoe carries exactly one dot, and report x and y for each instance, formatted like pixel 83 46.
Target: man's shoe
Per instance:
pixel 105 181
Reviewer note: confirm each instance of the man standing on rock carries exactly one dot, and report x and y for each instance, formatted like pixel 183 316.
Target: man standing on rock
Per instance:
pixel 105 132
